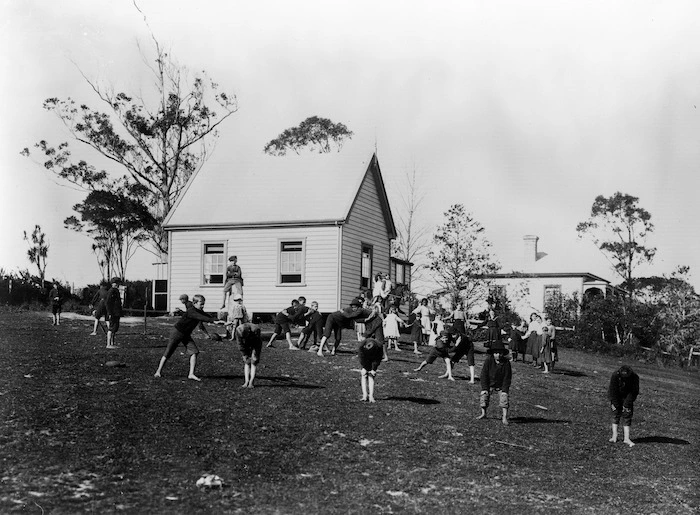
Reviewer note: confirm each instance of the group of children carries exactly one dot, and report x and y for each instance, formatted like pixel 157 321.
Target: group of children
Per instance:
pixel 376 331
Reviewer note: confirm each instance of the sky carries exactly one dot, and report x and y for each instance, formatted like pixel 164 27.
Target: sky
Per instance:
pixel 522 111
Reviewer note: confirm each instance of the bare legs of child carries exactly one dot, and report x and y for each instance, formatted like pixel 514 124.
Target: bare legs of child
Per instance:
pixel 626 435
pixel 367 383
pixel 249 375
pixel 193 364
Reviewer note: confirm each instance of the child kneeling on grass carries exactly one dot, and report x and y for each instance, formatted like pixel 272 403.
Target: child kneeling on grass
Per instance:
pixel 370 352
pixel 182 333
pixel 496 375
pixel 250 344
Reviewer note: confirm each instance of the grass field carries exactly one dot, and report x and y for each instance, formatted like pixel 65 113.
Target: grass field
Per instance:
pixel 77 436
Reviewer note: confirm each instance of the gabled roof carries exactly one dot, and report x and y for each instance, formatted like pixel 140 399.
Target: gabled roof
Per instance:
pixel 255 189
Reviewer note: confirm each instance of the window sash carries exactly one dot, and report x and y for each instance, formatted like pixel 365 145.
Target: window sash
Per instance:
pixel 366 267
pixel 213 263
pixel 291 262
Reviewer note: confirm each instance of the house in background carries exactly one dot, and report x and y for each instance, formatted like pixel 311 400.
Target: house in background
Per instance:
pixel 543 277
pixel 317 225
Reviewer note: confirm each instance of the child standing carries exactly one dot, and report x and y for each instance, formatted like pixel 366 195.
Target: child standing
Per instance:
pixel 437 327
pixel 182 334
pixel 441 350
pixel 250 344
pixel 56 302
pixel 545 349
pixel 113 308
pixel 391 328
pixel 237 315
pixel 370 353
pixel 416 331
pixel 98 304
pixel 496 376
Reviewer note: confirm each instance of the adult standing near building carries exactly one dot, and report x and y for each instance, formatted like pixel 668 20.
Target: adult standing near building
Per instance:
pixel 386 292
pixel 113 307
pixel 424 312
pixel 234 280
pixel 622 392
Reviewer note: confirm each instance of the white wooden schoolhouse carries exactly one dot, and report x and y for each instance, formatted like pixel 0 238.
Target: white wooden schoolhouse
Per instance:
pixel 317 225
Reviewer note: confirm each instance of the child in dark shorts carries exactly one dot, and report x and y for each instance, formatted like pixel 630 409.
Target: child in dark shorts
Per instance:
pixel 314 324
pixel 283 320
pixel 622 392
pixel 370 352
pixel 441 350
pixel 182 334
pixel 464 347
pixel 113 309
pixel 250 344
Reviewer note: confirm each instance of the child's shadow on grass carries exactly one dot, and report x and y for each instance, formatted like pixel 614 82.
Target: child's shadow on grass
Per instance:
pixel 537 420
pixel 277 382
pixel 661 439
pixel 417 400
pixel 572 373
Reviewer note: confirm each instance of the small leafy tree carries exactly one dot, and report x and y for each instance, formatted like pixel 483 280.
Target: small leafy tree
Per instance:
pixel 118 222
pixel 158 140
pixel 461 256
pixel 315 133
pixel 38 251
pixel 619 226
pixel 679 313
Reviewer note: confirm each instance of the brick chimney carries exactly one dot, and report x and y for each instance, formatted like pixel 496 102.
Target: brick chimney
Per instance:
pixel 530 250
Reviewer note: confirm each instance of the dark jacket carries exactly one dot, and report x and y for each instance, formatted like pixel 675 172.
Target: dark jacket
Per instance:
pixel 191 319
pixel 623 389
pixel 496 374
pixel 113 303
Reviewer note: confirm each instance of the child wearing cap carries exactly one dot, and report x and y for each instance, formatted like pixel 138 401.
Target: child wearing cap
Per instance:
pixel 370 352
pixel 622 392
pixel 441 350
pixel 237 315
pixel 496 376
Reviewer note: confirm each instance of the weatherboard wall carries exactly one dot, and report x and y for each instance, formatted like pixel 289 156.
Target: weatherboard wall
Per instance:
pixel 366 224
pixel 258 253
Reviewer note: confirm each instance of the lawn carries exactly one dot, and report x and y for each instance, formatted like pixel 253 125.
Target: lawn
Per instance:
pixel 78 436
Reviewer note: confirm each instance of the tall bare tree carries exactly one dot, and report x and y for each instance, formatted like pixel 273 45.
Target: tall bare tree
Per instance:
pixel 413 236
pixel 159 141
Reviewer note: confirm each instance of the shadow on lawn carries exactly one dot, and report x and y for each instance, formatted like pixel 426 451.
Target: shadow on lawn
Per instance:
pixel 661 439
pixel 537 420
pixel 277 382
pixel 417 400
pixel 572 373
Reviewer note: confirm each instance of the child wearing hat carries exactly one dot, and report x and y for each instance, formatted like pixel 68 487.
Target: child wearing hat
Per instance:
pixel 370 352
pixel 234 280
pixel 496 375
pixel 622 392
pixel 441 350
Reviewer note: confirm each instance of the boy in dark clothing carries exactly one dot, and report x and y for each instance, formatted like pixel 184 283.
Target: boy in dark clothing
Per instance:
pixel 370 352
pixel 250 344
pixel 314 324
pixel 182 333
pixel 496 376
pixel 98 302
pixel 283 320
pixel 56 302
pixel 113 308
pixel 622 392
pixel 339 320
pixel 441 350
pixel 464 347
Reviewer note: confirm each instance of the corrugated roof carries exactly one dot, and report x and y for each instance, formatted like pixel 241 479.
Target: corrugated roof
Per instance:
pixel 258 189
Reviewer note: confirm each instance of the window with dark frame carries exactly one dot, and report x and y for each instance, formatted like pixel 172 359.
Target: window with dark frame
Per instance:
pixel 213 265
pixel 291 262
pixel 366 268
pixel 552 294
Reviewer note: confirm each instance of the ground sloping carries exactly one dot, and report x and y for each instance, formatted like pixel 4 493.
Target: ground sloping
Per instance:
pixel 79 436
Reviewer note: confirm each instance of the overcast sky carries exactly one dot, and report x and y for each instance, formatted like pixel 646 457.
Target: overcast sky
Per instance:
pixel 522 111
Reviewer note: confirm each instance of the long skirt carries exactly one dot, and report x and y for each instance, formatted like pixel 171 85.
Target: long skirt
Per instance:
pixel 533 345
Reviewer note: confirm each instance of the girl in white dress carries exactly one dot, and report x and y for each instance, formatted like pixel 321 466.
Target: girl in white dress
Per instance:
pixel 424 312
pixel 391 328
